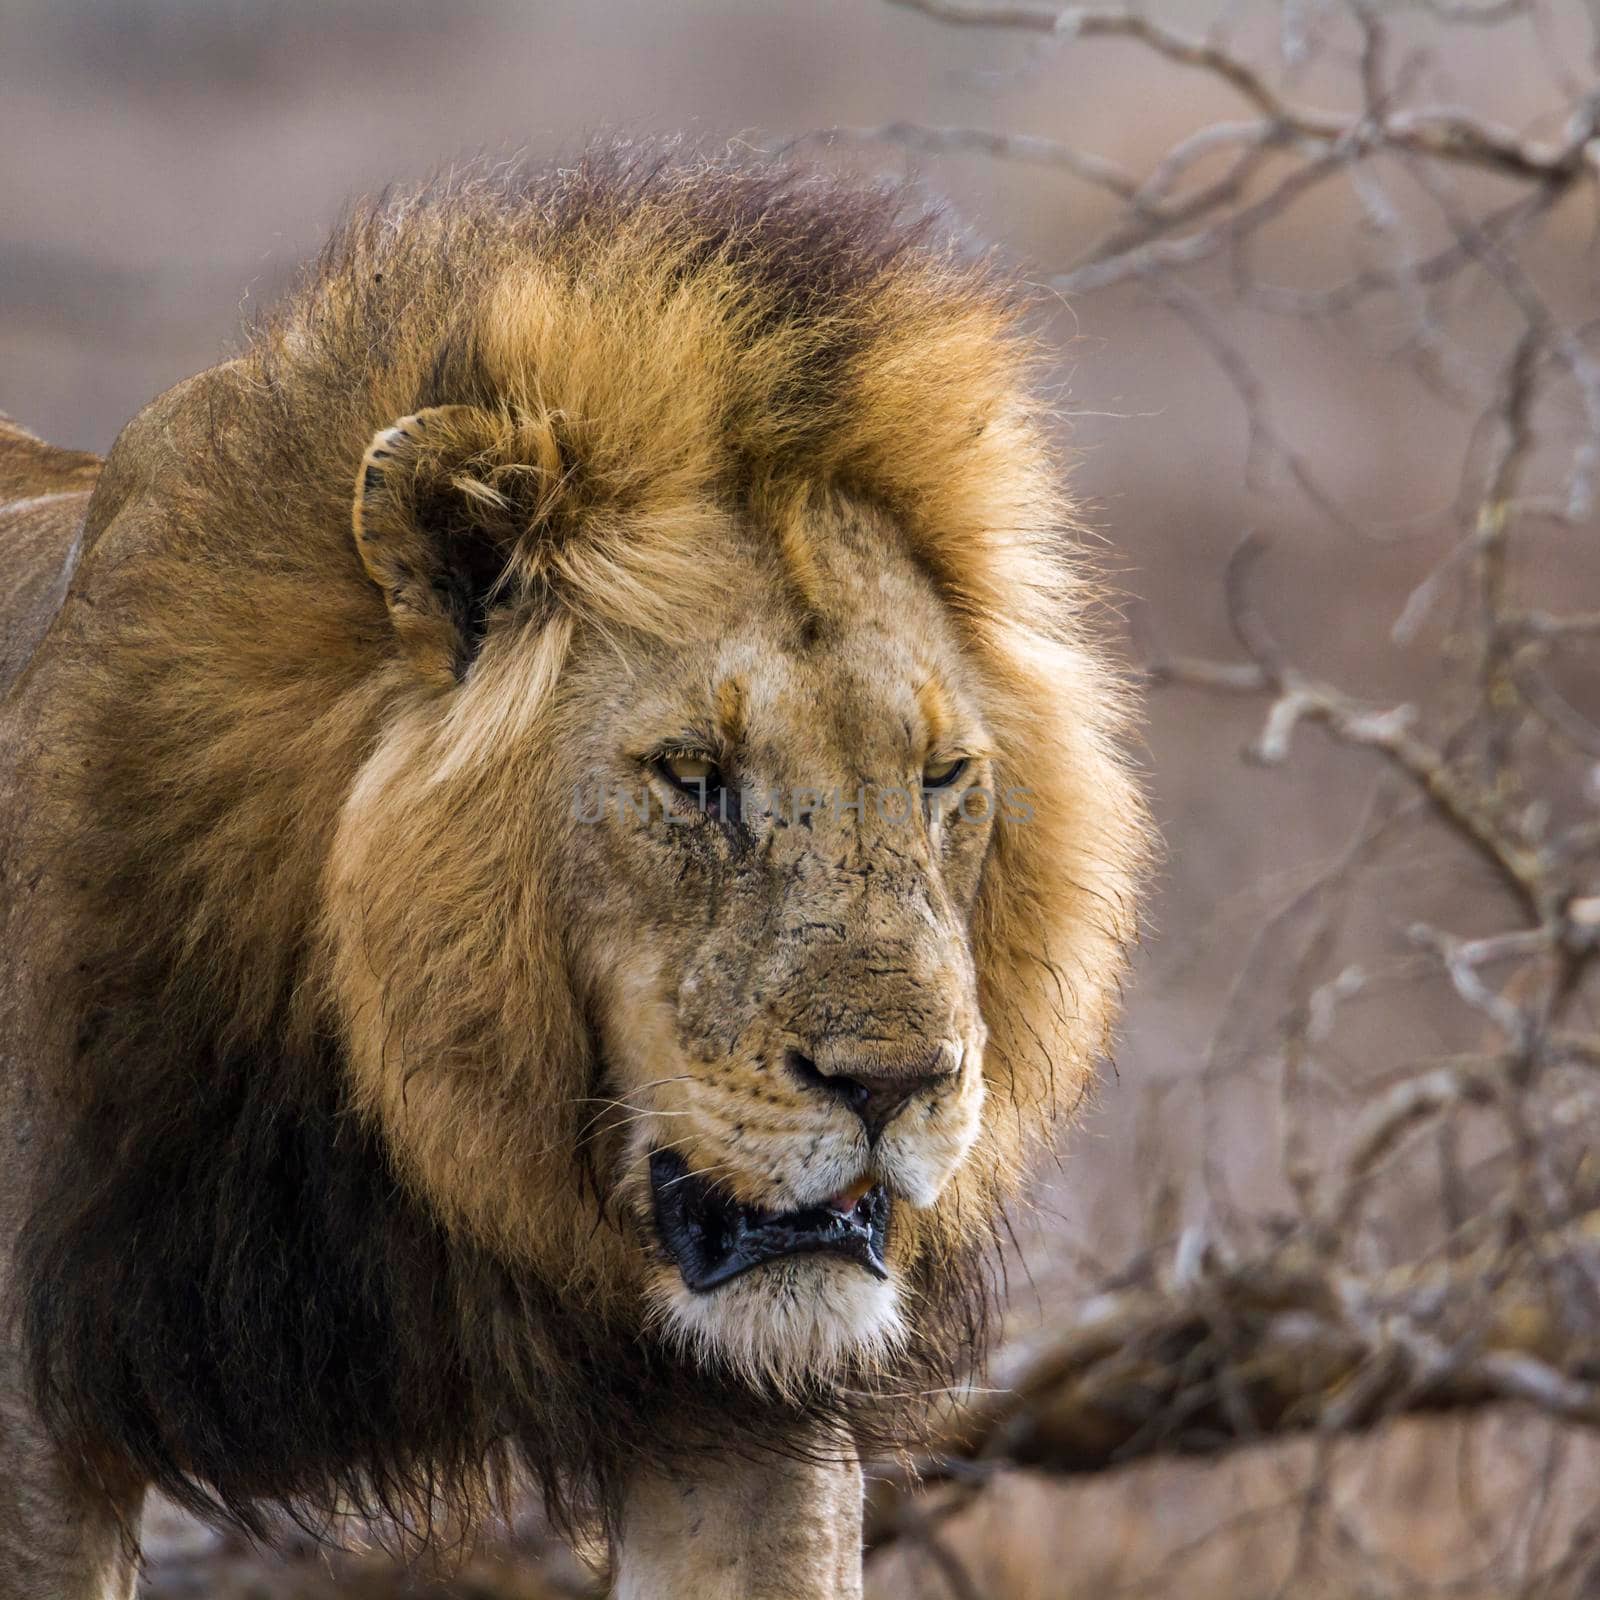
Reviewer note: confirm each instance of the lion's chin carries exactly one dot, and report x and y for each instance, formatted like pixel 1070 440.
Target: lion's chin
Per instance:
pixel 783 1299
pixel 788 1324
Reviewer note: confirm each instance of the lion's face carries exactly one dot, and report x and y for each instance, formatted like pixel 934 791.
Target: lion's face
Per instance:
pixel 781 833
pixel 759 850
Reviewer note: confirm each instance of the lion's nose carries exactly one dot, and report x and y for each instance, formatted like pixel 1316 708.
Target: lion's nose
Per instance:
pixel 873 1092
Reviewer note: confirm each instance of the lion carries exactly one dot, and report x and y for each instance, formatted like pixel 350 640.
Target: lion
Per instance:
pixel 566 841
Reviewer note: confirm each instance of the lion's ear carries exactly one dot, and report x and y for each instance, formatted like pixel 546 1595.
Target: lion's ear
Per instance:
pixel 444 501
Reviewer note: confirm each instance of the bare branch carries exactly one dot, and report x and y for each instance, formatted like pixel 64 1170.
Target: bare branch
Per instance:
pixel 1145 1371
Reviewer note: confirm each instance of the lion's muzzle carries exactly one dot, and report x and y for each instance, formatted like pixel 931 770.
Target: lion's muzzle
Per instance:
pixel 712 1238
pixel 874 1093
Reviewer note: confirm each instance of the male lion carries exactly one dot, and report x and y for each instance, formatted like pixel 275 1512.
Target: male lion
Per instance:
pixel 563 840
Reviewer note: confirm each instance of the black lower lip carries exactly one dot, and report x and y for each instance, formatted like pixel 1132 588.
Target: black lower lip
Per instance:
pixel 712 1238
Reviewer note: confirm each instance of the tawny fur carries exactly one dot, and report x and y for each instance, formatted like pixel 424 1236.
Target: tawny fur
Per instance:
pixel 344 1197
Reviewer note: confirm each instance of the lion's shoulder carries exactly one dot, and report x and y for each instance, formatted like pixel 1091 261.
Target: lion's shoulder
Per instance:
pixel 29 467
pixel 44 493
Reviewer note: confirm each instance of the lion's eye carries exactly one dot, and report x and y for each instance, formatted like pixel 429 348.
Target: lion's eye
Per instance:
pixel 694 775
pixel 941 774
pixel 689 770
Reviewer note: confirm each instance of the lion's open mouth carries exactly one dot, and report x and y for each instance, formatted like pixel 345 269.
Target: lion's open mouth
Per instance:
pixel 713 1238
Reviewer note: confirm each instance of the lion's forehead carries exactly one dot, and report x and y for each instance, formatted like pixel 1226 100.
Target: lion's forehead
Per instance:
pixel 842 693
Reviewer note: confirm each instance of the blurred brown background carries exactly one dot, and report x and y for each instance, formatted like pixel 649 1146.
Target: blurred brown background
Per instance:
pixel 164 164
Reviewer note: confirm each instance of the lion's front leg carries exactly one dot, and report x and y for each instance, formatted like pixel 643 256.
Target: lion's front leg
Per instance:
pixel 756 1527
pixel 58 1541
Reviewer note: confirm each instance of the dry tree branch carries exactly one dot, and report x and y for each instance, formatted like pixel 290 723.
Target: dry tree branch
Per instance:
pixel 1283 1344
pixel 1469 812
pixel 1443 133
pixel 1311 1348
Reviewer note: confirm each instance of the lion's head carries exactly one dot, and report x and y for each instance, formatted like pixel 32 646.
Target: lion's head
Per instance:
pixel 608 707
